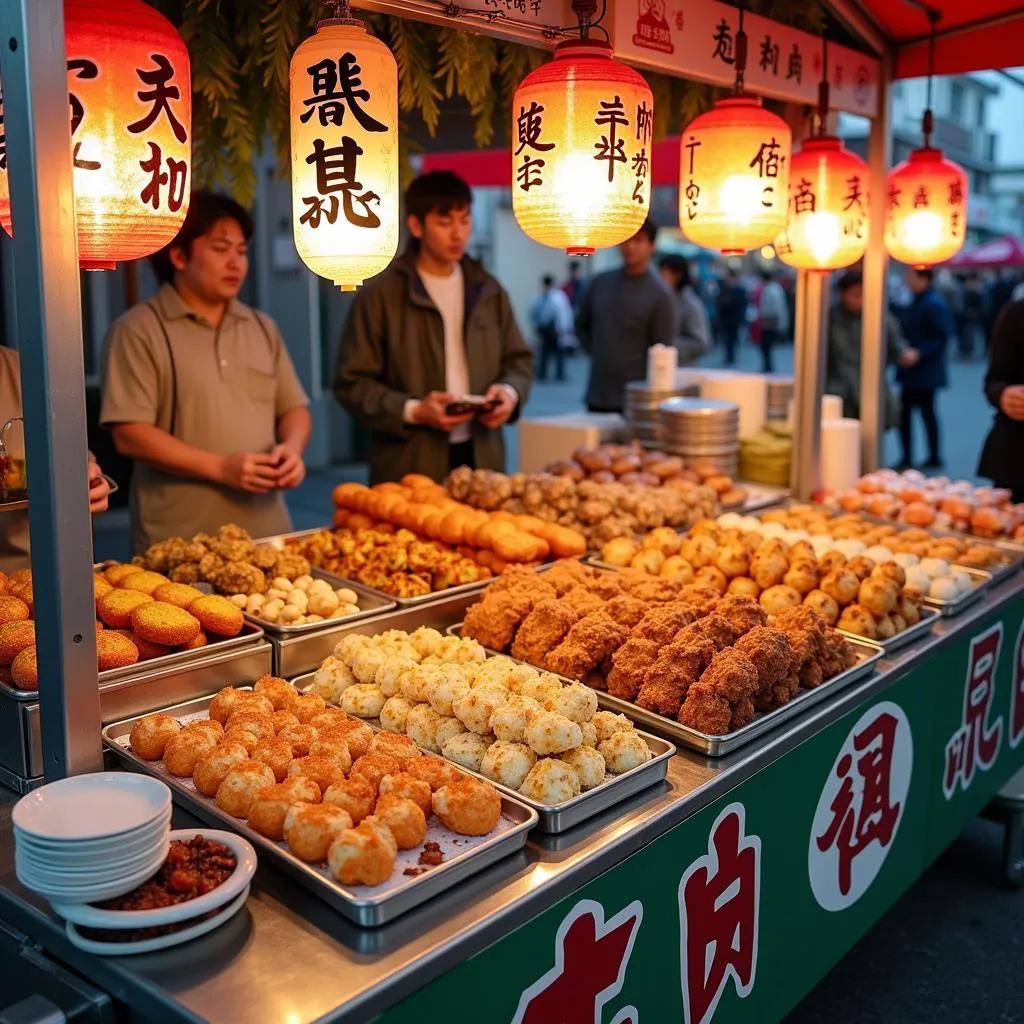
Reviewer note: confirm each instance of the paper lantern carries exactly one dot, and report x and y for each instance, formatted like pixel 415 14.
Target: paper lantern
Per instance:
pixel 734 176
pixel 582 130
pixel 828 207
pixel 926 215
pixel 344 127
pixel 130 97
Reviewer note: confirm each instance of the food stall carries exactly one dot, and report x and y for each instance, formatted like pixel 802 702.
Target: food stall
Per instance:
pixel 723 887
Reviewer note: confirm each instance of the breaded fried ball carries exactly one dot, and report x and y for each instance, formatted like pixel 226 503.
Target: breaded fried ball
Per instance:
pixel 271 805
pixel 15 637
pixel 115 573
pixel 147 650
pixel 179 594
pixel 551 781
pixel 115 609
pixel 355 794
pixel 333 743
pixel 575 701
pixel 588 764
pixel 435 771
pixel 389 676
pixel 364 700
pixel 363 855
pixel 421 726
pixel 210 771
pixel 589 734
pixel 249 740
pixel 375 766
pixel 331 679
pixel 225 702
pixel 467 749
pixel 163 623
pixel 277 754
pixel 309 829
pixel 405 785
pixel 394 713
pixel 551 733
pixel 542 687
pixel 324 771
pixel 144 582
pixel 279 692
pixel 208 726
pixel 150 735
pixel 416 682
pixel 447 727
pixel 240 786
pixel 329 718
pixel 406 819
pixel 510 720
pixel 624 751
pixel 470 807
pixel 607 723
pixel 25 670
pixel 444 691
pixel 425 640
pixel 306 706
pixel 475 709
pixel 401 748
pixel 217 615
pixel 301 737
pixel 508 763
pixel 186 749
pixel 114 651
pixel 256 722
pixel 282 719
pixel 14 610
pixel 357 736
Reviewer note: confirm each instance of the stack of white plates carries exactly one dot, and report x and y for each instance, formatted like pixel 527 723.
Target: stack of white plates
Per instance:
pixel 91 837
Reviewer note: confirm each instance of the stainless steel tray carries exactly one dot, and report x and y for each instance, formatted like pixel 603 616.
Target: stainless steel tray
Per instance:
pixel 929 616
pixel 371 602
pixel 981 578
pixel 367 906
pixel 554 818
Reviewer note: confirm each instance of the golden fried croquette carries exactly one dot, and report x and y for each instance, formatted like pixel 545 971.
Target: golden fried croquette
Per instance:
pixel 475 709
pixel 144 582
pixel 550 733
pixel 551 781
pixel 435 771
pixel 309 829
pixel 186 749
pixel 115 609
pixel 421 725
pixel 225 702
pixel 306 706
pixel 115 573
pixel 357 735
pixel 774 599
pixel 241 785
pixel 201 640
pixel 470 807
pixel 281 719
pixel 329 719
pixel 401 748
pixel 278 691
pixel 406 819
pixel 394 713
pixel 824 604
pixel 147 651
pixel 249 740
pixel 540 687
pixel 375 766
pixel 509 721
pixel 444 691
pixel 277 753
pixel 587 763
pixel 301 737
pixel 179 594
pixel 364 700
pixel 150 735
pixel 623 751
pixel 404 785
pixel 324 771
pixel 364 855
pixel 114 651
pixel 25 670
pixel 271 805
pixel 607 723
pixel 13 610
pixel 217 615
pixel 467 749
pixel 333 743
pixel 210 770
pixel 575 701
pixel 163 623
pixel 206 725
pixel 508 763
pixel 247 718
pixel 355 794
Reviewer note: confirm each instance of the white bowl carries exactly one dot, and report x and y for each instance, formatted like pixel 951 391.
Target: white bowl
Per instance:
pixel 95 917
pixel 163 941
pixel 53 888
pixel 101 805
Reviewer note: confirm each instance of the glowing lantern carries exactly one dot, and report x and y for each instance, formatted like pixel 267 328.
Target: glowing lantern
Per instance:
pixel 828 207
pixel 734 176
pixel 344 123
pixel 130 97
pixel 927 209
pixel 583 126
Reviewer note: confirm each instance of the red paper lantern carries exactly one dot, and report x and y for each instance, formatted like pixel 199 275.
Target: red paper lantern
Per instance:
pixel 926 215
pixel 130 98
pixel 582 131
pixel 734 176
pixel 828 207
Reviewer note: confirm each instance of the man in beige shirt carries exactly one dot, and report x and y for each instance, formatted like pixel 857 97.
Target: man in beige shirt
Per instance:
pixel 200 391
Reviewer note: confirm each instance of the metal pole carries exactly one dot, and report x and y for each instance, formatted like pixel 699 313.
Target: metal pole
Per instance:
pixel 876 267
pixel 32 62
pixel 809 375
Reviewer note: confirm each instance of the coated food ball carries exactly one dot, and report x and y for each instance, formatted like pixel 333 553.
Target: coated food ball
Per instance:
pixel 832 561
pixel 407 786
pixel 364 700
pixel 891 571
pixel 333 743
pixel 279 692
pixel 475 709
pixel 406 820
pixel 186 749
pixel 551 781
pixel 733 560
pixel 115 573
pixel 329 718
pixel 711 577
pixel 15 637
pixel 510 720
pixel 587 763
pixel 394 713
pixel 401 748
pixel 217 614
pixel 364 855
pixel 224 703
pixel 551 733
pixel 447 727
pixel 355 794
pixel 803 576
pixel 415 683
pixel 249 740
pixel 425 640
pixel 861 566
pixel 206 725
pixel 841 585
pixel 115 609
pixel 389 675
pixel 467 749
pixel 241 785
pixel 310 829
pixel 879 596
pixel 375 766
pixel 270 807
pixel 942 589
pixel 678 569
pixel 324 771
pixel 445 691
pixel 607 723
pixel 421 726
pixel 331 680
pixel 210 770
pixel 624 751
pixel 357 736
pixel 307 706
pixel 575 701
pixel 468 806
pixel 857 619
pixel 179 594
pixel 150 735
pixel 367 663
pixel 826 606
pixel 744 586
pixel 114 651
pixel 508 763
pixel 256 722
pixel 541 688
pixel 589 734
pixel 886 627
pixel 301 737
pixel 143 582
pixel 13 610
pixel 435 771
pixel 619 551
pixel 778 598
pixel 277 754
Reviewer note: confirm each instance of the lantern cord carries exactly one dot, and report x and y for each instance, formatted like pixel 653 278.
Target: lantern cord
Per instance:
pixel 741 50
pixel 927 120
pixel 823 85
pixel 341 13
pixel 584 11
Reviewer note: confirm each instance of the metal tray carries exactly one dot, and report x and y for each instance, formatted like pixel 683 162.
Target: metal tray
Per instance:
pixel 929 617
pixel 365 906
pixel 554 818
pixel 371 602
pixel 982 579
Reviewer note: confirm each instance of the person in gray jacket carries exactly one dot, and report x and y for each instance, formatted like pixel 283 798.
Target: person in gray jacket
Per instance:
pixel 693 326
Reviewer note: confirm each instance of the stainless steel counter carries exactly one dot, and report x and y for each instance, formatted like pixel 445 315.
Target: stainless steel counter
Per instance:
pixel 287 958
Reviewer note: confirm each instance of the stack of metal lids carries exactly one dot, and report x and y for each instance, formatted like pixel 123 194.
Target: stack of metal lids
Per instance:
pixel 780 394
pixel 701 430
pixel 642 403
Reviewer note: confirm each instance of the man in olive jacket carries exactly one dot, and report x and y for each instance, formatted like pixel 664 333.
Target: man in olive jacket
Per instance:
pixel 434 327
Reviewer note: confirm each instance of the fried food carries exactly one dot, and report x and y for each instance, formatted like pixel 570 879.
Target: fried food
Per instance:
pixel 582 600
pixel 279 692
pixel 629 666
pixel 147 650
pixel 475 709
pixel 743 613
pixel 357 735
pixel 333 743
pixel 825 606
pixel 661 624
pixel 543 629
pixel 395 712
pixel 306 706
pixel 775 599
pixel 25 670
pixel 185 749
pixel 375 766
pixel 210 770
pixel 249 719
pixel 404 785
pixel 435 771
pixel 355 794
pixel 225 702
pixel 115 609
pixel 468 806
pixel 551 733
pixel 401 748
pixel 587 763
pixel 668 680
pixel 13 610
pixel 300 737
pixel 467 749
pixel 150 735
pixel 364 855
pixel 241 785
pixel 217 615
pixel 565 575
pixel 310 829
pixel 324 771
pixel 249 740
pixel 706 711
pixel 277 753
pixel 163 623
pixel 771 653
pixel 114 574
pixel 143 582
pixel 575 701
pixel 508 763
pixel 405 818
pixel 551 781
pixel 179 594
pixel 364 700
pixel 624 751
pixel 114 651
pixel 588 641
pixel 270 806
pixel 494 620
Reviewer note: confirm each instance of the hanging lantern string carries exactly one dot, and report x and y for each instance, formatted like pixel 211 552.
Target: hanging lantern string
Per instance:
pixel 741 50
pixel 341 12
pixel 927 120
pixel 586 22
pixel 823 85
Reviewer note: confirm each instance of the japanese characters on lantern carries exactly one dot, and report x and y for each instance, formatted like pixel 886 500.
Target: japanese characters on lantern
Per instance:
pixel 583 131
pixel 926 209
pixel 130 107
pixel 828 207
pixel 734 176
pixel 344 130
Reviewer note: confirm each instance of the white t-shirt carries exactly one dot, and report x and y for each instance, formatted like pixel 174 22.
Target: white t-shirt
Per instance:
pixel 449 295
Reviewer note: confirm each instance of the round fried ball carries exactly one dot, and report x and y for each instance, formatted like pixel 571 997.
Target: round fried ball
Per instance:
pixel 147 650
pixel 163 623
pixel 277 754
pixel 249 740
pixel 803 576
pixel 364 855
pixel 13 610
pixel 891 571
pixel 115 609
pixel 406 819
pixel 447 727
pixel 114 651
pixel 115 573
pixel 207 726
pixel 435 771
pixel 607 723
pixel 401 748
pixel 470 807
pixel 509 722
pixel 778 598
pixel 421 726
pixel 331 679
pixel 444 691
pixel 711 577
pixel 150 735
pixel 224 703
pixel 355 794
pixel 279 692
pixel 357 735
pixel 282 719
pixel 210 771
pixel 841 585
pixel 825 605
pixel 309 829
pixel 306 706
pixel 324 771
pixel 375 766
pixel 257 722
pixel 301 737
pixel 333 743
pixel 364 700
pixel 217 615
pixel 551 733
pixel 15 637
pixel 541 687
pixel 186 749
pixel 271 805
pixel 467 749
pixel 405 785
pixel 857 619
pixel 394 713
pixel 551 781
pixel 25 670
pixel 329 718
pixel 475 709
pixel 508 763
pixel 587 763
pixel 879 596
pixel 624 751
pixel 240 786
pixel 575 701
pixel 744 586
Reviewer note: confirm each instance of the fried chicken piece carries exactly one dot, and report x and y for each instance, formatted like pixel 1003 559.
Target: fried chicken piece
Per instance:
pixel 630 664
pixel 663 622
pixel 732 675
pixel 720 631
pixel 494 620
pixel 837 655
pixel 543 630
pixel 706 711
pixel 771 653
pixel 805 629
pixel 669 679
pixel 626 610
pixel 583 600
pixel 702 600
pixel 605 585
pixel 517 576
pixel 586 643
pixel 652 589
pixel 596 679
pixel 742 713
pixel 778 695
pixel 566 574
pixel 811 675
pixel 743 612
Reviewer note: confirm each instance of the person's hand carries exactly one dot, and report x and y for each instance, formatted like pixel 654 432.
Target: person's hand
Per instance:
pixel 291 470
pixel 248 471
pixel 429 412
pixel 909 357
pixel 502 412
pixel 99 489
pixel 1012 402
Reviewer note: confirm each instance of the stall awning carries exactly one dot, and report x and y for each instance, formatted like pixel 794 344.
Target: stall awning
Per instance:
pixel 1007 251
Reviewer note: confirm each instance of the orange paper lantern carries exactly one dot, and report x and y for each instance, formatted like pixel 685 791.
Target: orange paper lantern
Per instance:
pixel 734 176
pixel 130 96
pixel 828 207
pixel 582 130
pixel 926 215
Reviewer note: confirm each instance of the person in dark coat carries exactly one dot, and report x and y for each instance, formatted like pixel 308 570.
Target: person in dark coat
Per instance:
pixel 928 327
pixel 1002 457
pixel 732 313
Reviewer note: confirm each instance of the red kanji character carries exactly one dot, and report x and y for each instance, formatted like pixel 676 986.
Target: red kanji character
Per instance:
pixel 719 900
pixel 975 745
pixel 861 818
pixel 1017 697
pixel 591 957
